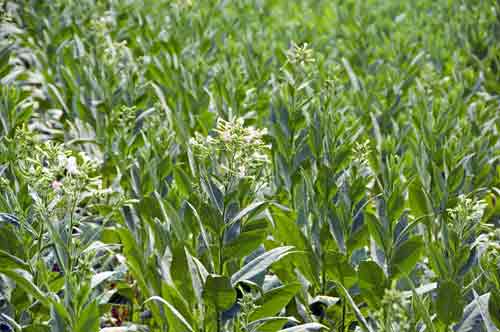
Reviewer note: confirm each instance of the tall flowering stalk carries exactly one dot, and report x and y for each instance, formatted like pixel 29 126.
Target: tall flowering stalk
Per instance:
pixel 236 152
pixel 465 217
pixel 58 181
pixel 231 161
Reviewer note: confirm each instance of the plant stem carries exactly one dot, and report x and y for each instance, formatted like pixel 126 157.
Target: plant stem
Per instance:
pixel 342 326
pixel 218 318
pixel 70 235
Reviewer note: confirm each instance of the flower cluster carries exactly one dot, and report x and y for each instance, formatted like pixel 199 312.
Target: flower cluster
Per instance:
pixel 361 162
pixel 301 55
pixel 466 216
pixel 55 176
pixel 248 307
pixel 240 151
pixel 115 54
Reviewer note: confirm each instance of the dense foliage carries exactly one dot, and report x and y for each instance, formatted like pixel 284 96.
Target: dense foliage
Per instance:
pixel 249 165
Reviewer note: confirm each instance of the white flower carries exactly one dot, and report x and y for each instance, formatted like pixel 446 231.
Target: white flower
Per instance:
pixel 71 165
pixel 56 185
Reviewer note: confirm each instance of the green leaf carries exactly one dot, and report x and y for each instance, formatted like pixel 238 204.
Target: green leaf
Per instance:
pixel 449 302
pixel 250 210
pixel 182 322
pixel 197 279
pixel 406 256
pixel 57 322
pixel 420 307
pixel 219 292
pixel 309 327
pixel 355 308
pixel 88 320
pixel 274 300
pixel 494 307
pixel 213 193
pixel 182 181
pixel 170 216
pixel 10 261
pixel 27 285
pixel 372 282
pixel 245 243
pixel 417 200
pixel 339 269
pixel 352 76
pixel 270 324
pixel 259 264
pixel 204 234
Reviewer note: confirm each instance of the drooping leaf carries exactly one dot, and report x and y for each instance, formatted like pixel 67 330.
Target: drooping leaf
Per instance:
pixel 26 284
pixel 10 261
pixel 180 320
pixel 259 264
pixel 355 308
pixel 248 211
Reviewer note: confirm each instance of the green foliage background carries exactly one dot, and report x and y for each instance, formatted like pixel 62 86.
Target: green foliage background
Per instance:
pixel 249 165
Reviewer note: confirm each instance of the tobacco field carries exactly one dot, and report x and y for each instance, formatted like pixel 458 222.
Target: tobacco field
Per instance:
pixel 250 166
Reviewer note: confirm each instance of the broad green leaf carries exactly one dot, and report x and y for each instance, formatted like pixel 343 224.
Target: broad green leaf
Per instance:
pixel 171 217
pixel 449 302
pixel 195 275
pixel 372 282
pixel 204 234
pixel 247 211
pixel 213 193
pixel 259 264
pixel 88 320
pixel 406 256
pixel 218 291
pixel 274 300
pixel 417 199
pixel 245 243
pixel 183 182
pixel 339 269
pixel 10 261
pixel 270 324
pixel 27 285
